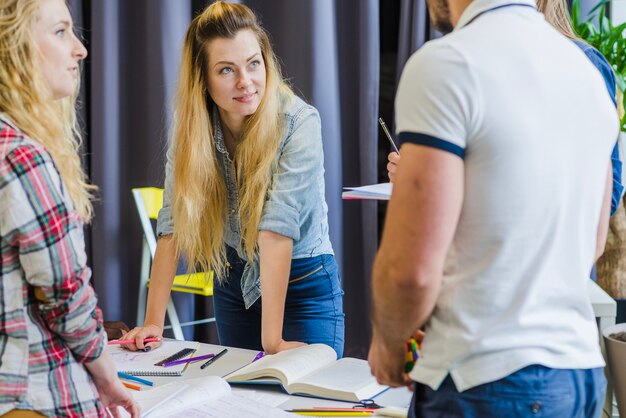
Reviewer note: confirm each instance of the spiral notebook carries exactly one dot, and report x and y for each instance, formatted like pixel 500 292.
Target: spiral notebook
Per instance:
pixel 139 363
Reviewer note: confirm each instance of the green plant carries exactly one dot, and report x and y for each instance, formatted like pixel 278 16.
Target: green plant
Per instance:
pixel 599 32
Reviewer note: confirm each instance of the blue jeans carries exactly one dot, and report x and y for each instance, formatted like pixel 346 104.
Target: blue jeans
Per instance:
pixel 313 307
pixel 534 391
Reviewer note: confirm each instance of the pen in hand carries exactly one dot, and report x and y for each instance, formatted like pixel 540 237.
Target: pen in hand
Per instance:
pixel 212 359
pixel 384 126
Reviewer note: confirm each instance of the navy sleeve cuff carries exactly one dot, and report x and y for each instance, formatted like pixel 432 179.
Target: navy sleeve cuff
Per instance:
pixel 431 141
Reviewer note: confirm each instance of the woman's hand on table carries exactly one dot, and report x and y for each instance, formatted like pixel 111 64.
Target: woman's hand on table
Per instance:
pixel 139 334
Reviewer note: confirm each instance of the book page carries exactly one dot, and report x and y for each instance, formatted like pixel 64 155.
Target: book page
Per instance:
pixel 287 366
pixel 232 406
pixel 199 390
pixel 140 363
pixel 149 400
pixel 347 379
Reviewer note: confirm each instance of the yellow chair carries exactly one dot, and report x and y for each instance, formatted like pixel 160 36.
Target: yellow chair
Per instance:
pixel 149 201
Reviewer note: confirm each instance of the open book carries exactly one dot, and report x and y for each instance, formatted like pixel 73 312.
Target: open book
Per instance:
pixel 380 191
pixel 312 370
pixel 208 396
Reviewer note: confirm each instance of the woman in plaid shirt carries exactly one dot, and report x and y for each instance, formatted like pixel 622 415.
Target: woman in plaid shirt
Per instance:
pixel 52 358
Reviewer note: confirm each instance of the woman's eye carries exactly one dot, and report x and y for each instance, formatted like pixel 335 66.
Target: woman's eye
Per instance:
pixel 255 64
pixel 60 32
pixel 226 70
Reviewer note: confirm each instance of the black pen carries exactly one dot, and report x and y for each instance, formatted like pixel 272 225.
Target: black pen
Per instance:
pixel 212 359
pixel 384 126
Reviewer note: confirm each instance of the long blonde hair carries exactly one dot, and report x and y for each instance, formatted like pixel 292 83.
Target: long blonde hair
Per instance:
pixel 200 197
pixel 558 16
pixel 25 97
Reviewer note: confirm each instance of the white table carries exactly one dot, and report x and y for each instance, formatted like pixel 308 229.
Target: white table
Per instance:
pixel 605 310
pixel 236 358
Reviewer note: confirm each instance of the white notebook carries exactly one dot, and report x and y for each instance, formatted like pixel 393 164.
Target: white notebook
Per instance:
pixel 139 363
pixel 380 191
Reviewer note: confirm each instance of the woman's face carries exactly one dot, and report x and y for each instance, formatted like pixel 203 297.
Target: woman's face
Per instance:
pixel 60 50
pixel 236 76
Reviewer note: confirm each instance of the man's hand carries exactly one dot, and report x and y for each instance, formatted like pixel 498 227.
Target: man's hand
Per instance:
pixel 387 363
pixel 392 165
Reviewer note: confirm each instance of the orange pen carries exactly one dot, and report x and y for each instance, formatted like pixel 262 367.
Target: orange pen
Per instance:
pixel 131 386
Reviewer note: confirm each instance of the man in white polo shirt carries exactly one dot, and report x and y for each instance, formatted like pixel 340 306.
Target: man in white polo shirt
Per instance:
pixel 499 209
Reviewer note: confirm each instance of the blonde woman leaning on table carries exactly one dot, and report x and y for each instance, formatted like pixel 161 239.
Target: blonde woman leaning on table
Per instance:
pixel 244 194
pixel 52 357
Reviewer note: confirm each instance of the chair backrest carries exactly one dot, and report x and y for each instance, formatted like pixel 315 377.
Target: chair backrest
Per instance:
pixel 149 201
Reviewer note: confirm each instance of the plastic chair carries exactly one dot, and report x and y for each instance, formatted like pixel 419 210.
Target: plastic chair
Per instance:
pixel 149 201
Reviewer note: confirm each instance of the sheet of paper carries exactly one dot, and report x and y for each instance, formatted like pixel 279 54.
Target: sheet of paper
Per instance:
pixel 380 191
pixel 199 390
pixel 232 406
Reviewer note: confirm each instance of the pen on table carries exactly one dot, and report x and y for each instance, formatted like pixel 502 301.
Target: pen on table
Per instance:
pixel 212 359
pixel 188 360
pixel 135 378
pixel 131 386
pixel 317 413
pixel 329 409
pixel 147 340
pixel 386 131
pixel 258 356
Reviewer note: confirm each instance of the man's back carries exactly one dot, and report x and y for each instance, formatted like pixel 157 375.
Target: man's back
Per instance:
pixel 531 117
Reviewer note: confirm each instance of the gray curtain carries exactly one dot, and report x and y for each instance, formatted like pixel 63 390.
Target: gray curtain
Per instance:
pixel 134 51
pixel 330 53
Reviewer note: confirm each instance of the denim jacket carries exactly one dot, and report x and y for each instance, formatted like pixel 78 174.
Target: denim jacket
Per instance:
pixel 609 79
pixel 295 205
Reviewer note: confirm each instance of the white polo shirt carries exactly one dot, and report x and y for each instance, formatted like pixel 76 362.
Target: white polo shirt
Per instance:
pixel 532 119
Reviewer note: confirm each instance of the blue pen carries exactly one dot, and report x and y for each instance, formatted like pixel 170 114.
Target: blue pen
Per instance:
pixel 258 356
pixel 135 378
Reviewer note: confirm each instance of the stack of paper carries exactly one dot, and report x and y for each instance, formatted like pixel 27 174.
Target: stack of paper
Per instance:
pixel 380 191
pixel 205 397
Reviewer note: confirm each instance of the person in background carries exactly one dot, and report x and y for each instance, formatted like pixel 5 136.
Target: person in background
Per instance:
pixel 52 357
pixel 492 227
pixel 556 14
pixel 244 195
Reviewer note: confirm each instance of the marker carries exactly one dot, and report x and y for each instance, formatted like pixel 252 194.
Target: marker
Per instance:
pixel 211 360
pixel 147 340
pixel 258 356
pixel 131 386
pixel 188 360
pixel 135 378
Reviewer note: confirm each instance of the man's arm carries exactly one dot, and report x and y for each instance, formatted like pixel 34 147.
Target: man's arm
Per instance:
pixel 421 220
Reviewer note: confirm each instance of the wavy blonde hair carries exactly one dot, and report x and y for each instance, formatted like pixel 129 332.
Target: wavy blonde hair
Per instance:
pixel 25 99
pixel 200 197
pixel 557 14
